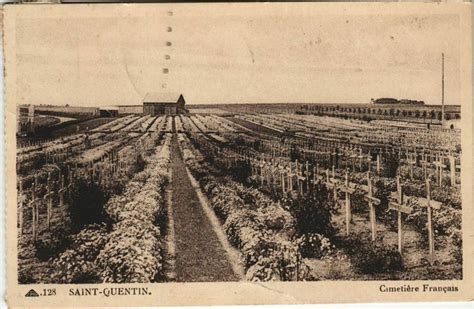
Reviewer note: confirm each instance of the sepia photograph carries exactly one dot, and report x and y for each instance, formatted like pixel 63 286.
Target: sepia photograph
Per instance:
pixel 164 144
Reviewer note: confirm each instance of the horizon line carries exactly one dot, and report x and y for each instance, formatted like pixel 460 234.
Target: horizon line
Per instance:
pixel 251 103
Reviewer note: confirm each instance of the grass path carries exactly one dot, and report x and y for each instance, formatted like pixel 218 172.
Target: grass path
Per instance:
pixel 200 256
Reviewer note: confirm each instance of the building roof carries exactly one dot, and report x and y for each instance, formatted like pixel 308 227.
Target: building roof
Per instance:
pixel 164 97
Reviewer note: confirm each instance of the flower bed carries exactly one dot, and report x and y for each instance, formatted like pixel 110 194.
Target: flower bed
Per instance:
pixel 132 252
pixel 77 265
pixel 260 228
pixel 128 251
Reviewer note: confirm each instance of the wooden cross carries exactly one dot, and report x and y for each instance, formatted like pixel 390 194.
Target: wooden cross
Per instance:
pixel 334 157
pixel 297 173
pixel 252 166
pixel 268 171
pixel 34 206
pixel 439 169
pixel 61 192
pixel 424 166
pixel 378 163
pixel 71 178
pixel 411 161
pixel 271 169
pixel 331 184
pixel 369 161
pixel 49 200
pixel 261 164
pixel 290 177
pixel 348 190
pixel 282 177
pixel 373 201
pixel 300 178
pixel 307 175
pixel 361 158
pixel 353 159
pixel 21 199
pixel 452 169
pixel 430 205
pixel 400 208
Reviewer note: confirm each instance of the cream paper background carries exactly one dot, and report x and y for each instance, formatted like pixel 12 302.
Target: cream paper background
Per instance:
pixel 243 292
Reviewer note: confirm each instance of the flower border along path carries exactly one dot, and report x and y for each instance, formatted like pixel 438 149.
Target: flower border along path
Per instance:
pixel 128 250
pixel 200 254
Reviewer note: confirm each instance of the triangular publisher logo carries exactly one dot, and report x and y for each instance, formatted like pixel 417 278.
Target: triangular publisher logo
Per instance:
pixel 31 293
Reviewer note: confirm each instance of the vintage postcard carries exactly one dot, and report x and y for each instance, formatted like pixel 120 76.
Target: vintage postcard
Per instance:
pixel 238 153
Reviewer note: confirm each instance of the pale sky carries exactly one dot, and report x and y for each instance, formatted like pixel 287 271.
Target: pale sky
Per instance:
pixel 230 57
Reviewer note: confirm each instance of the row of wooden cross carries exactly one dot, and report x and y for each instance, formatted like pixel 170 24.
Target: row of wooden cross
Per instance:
pixel 438 162
pixel 290 174
pixel 399 204
pixel 352 155
pixel 94 173
pixel 108 168
pixel 33 143
pixel 35 202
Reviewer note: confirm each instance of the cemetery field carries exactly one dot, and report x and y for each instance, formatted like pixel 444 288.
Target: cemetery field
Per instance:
pixel 241 196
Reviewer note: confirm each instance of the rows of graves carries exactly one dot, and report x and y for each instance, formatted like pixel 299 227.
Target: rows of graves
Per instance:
pixel 389 140
pixel 350 156
pixel 272 166
pixel 299 178
pixel 45 192
pixel 420 139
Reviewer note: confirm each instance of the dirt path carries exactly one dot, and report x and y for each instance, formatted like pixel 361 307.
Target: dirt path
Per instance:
pixel 199 254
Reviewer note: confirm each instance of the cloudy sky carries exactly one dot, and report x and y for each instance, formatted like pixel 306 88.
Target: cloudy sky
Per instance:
pixel 230 55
